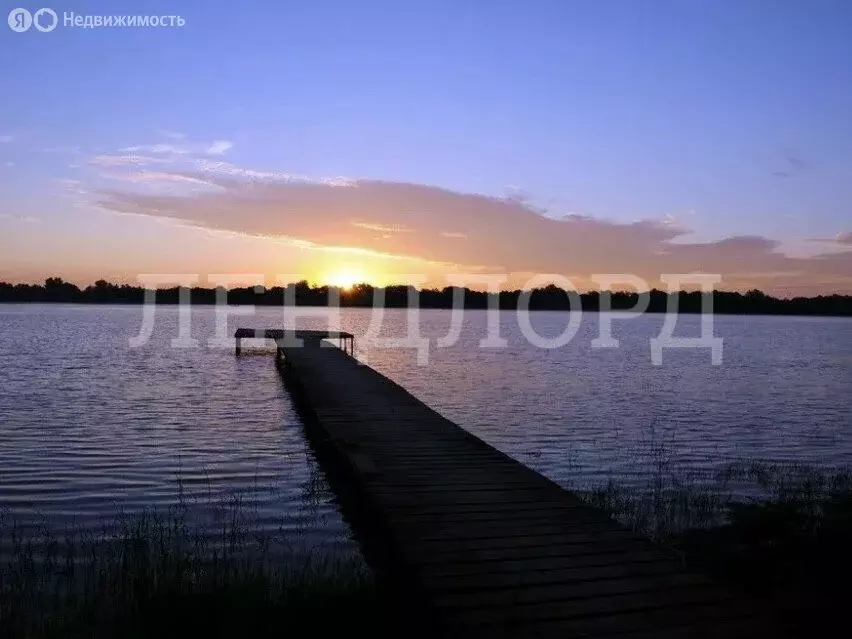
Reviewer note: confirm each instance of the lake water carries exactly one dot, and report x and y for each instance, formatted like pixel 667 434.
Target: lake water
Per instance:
pixel 90 425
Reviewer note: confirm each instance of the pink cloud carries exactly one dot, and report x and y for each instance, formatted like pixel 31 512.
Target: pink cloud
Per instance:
pixel 503 232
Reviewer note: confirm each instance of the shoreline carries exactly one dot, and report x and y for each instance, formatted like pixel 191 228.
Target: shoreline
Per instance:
pixel 213 304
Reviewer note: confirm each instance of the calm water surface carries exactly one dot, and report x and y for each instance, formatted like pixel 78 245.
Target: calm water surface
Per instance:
pixel 89 425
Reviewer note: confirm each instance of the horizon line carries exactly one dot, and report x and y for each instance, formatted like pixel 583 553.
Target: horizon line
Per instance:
pixel 260 289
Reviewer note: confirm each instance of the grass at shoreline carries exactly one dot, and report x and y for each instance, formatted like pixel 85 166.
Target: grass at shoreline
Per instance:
pixel 790 547
pixel 155 575
pixel 668 502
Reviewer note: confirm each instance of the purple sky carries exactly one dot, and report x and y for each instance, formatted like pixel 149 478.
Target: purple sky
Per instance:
pixel 390 140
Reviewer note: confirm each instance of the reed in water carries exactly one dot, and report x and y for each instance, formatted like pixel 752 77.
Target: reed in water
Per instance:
pixel 158 574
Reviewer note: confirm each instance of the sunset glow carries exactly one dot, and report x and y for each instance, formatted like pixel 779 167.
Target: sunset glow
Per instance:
pixel 345 278
pixel 718 164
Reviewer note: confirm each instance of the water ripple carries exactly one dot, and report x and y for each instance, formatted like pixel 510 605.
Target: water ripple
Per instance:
pixel 90 426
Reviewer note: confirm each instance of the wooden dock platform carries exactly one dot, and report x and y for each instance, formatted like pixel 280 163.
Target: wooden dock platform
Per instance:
pixel 487 546
pixel 294 338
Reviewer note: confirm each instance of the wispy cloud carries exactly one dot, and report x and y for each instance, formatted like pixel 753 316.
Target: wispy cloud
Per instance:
pixel 178 146
pixel 140 177
pixel 841 238
pixel 382 228
pixel 170 149
pixel 226 169
pixel 19 218
pixel 220 147
pixel 130 159
pixel 181 158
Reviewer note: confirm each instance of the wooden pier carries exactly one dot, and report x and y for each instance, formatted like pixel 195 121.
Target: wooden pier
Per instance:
pixel 296 338
pixel 486 546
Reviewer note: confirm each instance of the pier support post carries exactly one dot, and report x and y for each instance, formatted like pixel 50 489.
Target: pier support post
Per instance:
pixel 238 348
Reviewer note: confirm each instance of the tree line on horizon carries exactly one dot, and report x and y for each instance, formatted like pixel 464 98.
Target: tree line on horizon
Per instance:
pixel 56 290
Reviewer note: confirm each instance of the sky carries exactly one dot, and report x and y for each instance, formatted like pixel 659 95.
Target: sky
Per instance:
pixel 423 141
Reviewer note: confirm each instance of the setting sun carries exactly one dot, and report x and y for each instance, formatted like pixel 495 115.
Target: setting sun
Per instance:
pixel 345 278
